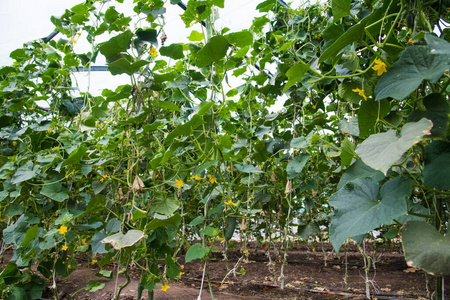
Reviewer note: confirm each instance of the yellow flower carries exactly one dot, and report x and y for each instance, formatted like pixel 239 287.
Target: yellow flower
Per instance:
pixel 165 287
pixel 380 67
pixel 83 241
pixel 79 33
pixel 179 183
pixel 182 267
pixel 103 178
pixel 64 248
pixel 49 131
pixel 212 179
pixel 62 229
pixel 30 108
pixel 153 51
pixel 179 275
pixel 360 92
pixel 196 177
pixel 94 261
pixel 74 41
pixel 230 203
pixel 69 266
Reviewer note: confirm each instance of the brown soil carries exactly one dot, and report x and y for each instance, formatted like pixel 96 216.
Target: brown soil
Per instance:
pixel 310 273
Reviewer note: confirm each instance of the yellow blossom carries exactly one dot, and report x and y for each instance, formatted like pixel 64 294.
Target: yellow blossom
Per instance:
pixel 410 41
pixel 64 248
pixel 165 287
pixel 69 266
pixel 179 183
pixel 196 177
pixel 30 108
pixel 74 41
pixel 83 241
pixel 179 275
pixel 380 67
pixel 94 261
pixel 79 33
pixel 196 186
pixel 360 92
pixel 62 229
pixel 212 179
pixel 49 131
pixel 230 203
pixel 103 178
pixel 153 52
pixel 182 267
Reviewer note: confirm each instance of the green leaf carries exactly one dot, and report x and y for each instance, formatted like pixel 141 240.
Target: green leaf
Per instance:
pixel 55 191
pixel 98 186
pixel 369 114
pixel 94 286
pixel 241 38
pixel 359 170
pixel 25 172
pixel 438 45
pixel 165 205
pixel 300 142
pixel 345 90
pixel 75 157
pixel 426 248
pixel 358 210
pixel 213 51
pixel 349 127
pixel 413 66
pixel 307 231
pixel 295 166
pixel 116 45
pixel 29 236
pixel 436 171
pixel 163 221
pixel 120 240
pixel 436 111
pixel 196 36
pixel 148 35
pixel 174 51
pixel 340 9
pixel 104 273
pixel 122 66
pixel 195 252
pixel 381 151
pixel 347 152
pixel 247 168
pixel 295 74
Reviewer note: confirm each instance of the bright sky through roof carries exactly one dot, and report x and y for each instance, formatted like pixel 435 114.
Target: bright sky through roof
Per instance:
pixel 26 20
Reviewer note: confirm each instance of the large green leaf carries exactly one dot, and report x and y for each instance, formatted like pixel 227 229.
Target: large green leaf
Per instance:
pixel 295 166
pixel 347 152
pixel 163 221
pixel 358 209
pixel 120 240
pixel 340 9
pixel 295 74
pixel 247 168
pixel 359 170
pixel 345 90
pixel 436 171
pixel 213 51
pixel 54 191
pixel 196 251
pixel 381 151
pixel 25 172
pixel 75 157
pixel 122 66
pixel 16 232
pixel 426 248
pixel 116 45
pixel 174 51
pixel 413 66
pixel 165 205
pixel 438 45
pixel 436 111
pixel 240 39
pixel 369 114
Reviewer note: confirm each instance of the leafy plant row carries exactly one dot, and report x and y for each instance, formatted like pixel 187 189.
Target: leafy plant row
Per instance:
pixel 179 156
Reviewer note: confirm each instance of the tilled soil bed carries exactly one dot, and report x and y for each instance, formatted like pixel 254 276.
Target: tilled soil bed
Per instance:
pixel 311 272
